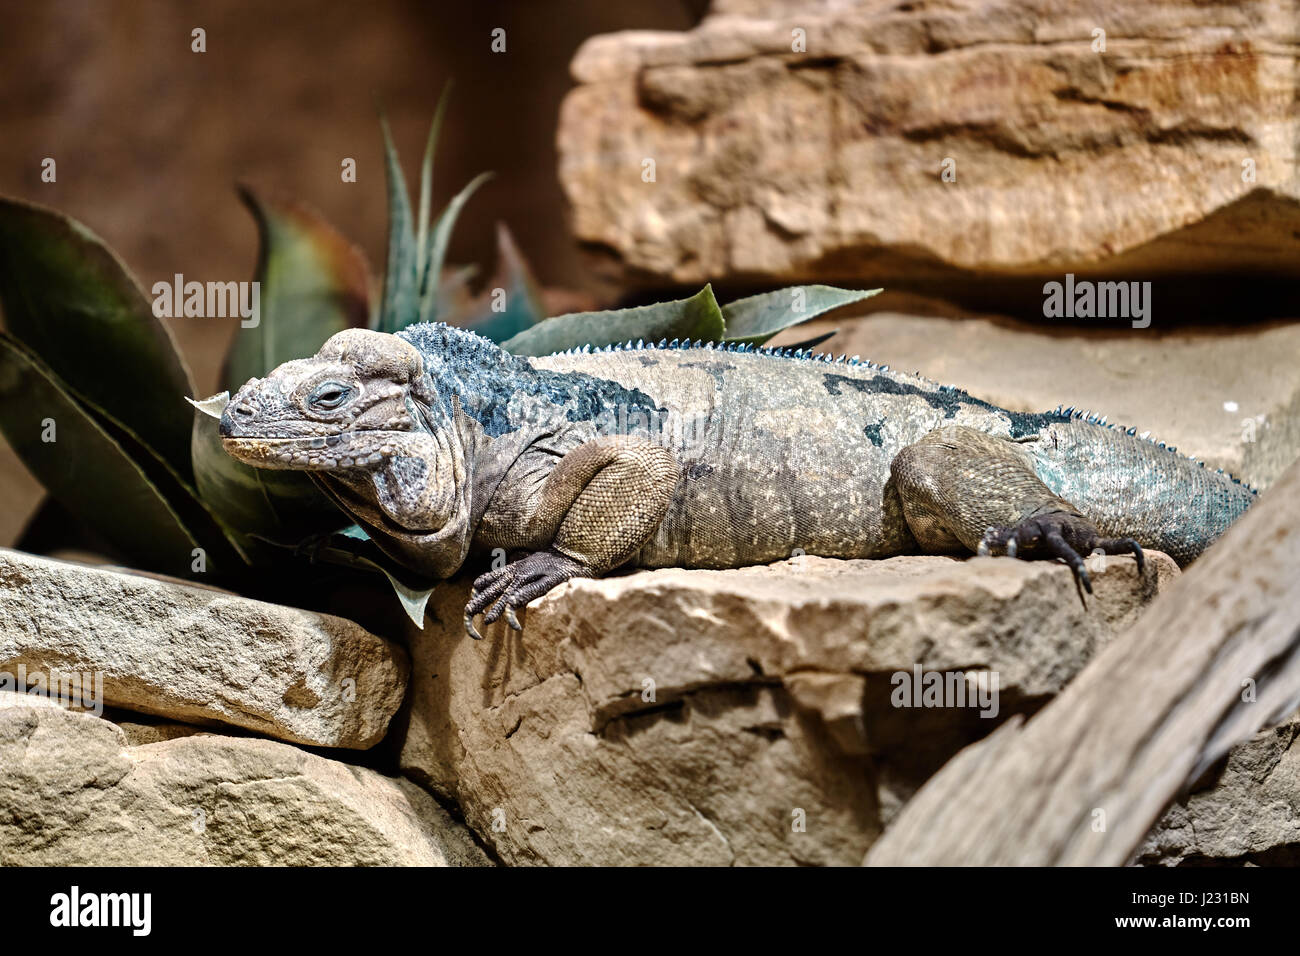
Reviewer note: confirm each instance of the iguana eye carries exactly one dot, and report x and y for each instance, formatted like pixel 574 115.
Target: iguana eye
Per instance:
pixel 329 395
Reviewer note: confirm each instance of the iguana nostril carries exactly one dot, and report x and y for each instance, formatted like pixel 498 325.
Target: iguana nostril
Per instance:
pixel 244 410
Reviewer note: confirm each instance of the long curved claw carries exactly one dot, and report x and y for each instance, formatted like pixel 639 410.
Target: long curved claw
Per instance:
pixel 1122 546
pixel 1058 546
pixel 501 593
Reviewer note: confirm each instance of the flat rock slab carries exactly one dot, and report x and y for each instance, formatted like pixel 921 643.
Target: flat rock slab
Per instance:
pixel 719 717
pixel 808 141
pixel 1247 812
pixel 73 792
pixel 1230 397
pixel 200 655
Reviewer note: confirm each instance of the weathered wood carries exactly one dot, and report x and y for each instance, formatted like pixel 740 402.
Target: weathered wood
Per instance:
pixel 1082 782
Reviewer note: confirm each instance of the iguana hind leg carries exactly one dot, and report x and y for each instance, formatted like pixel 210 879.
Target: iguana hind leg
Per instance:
pixel 962 488
pixel 597 507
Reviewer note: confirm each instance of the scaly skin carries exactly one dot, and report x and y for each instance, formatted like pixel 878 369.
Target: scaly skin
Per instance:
pixel 442 445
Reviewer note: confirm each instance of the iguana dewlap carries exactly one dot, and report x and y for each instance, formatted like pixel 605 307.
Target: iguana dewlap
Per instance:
pixel 443 445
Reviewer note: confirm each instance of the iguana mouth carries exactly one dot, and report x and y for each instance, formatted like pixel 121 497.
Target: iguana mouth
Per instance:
pixel 346 449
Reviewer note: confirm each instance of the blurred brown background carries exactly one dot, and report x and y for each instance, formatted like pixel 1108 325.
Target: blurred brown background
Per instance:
pixel 149 137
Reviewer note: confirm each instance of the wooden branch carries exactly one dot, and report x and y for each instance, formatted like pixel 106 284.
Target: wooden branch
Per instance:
pixel 1209 664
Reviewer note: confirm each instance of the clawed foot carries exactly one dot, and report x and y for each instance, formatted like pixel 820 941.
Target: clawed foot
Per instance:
pixel 1058 535
pixel 501 591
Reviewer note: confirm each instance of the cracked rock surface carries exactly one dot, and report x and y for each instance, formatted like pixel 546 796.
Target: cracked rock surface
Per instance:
pixel 75 792
pixel 735 717
pixel 200 655
pixel 796 141
pixel 1247 811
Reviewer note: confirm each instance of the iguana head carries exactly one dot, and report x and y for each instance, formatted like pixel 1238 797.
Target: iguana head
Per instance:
pixel 362 417
pixel 348 407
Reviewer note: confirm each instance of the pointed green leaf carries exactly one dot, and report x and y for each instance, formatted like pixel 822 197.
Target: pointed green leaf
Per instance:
pixel 413 600
pixel 212 407
pixel 438 247
pixel 355 532
pixel 695 318
pixel 426 189
pixel 352 548
pixel 759 317
pixel 222 543
pixel 520 296
pixel 400 303
pixel 84 467
pixel 86 326
pixel 313 283
pixel 72 302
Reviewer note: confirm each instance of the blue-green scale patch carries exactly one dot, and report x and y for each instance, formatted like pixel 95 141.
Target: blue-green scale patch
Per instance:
pixel 486 378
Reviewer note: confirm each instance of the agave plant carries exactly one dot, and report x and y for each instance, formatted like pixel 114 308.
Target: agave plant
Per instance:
pixel 91 385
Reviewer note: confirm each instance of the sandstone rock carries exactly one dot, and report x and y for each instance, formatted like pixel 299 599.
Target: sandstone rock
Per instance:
pixel 198 654
pixel 137 733
pixel 1248 813
pixel 1228 397
pixel 72 792
pixel 12 699
pixel 719 717
pixel 1082 782
pixel 136 729
pixel 1174 150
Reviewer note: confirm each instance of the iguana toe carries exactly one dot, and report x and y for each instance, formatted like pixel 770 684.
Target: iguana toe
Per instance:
pixel 500 593
pixel 1122 546
pixel 1058 534
pixel 488 587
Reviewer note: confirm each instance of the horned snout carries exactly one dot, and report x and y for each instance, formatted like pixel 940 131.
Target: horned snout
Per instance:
pixel 243 412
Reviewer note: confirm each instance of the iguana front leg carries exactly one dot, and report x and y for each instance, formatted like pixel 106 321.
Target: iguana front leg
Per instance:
pixel 597 507
pixel 961 487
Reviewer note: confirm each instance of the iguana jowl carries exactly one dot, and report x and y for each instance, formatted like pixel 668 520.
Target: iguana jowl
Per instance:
pixel 442 445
